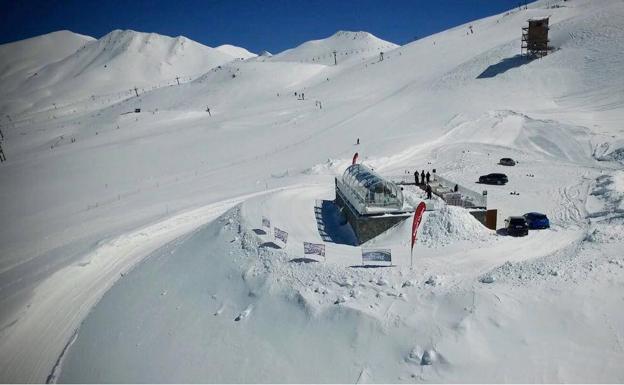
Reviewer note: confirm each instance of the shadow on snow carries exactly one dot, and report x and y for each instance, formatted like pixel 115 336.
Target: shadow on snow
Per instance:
pixel 504 66
pixel 332 224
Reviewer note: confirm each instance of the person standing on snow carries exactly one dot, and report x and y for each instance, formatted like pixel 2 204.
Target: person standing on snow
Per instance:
pixel 428 191
pixel 422 177
pixel 416 177
pixel 428 177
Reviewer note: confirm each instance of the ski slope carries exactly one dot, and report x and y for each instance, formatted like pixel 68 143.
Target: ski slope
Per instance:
pixel 135 242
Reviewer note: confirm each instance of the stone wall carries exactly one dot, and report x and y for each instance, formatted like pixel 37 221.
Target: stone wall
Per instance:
pixel 367 227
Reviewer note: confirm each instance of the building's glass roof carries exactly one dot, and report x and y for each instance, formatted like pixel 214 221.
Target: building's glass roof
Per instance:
pixel 369 192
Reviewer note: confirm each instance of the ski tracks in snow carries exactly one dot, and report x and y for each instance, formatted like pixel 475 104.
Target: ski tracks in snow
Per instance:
pixel 572 203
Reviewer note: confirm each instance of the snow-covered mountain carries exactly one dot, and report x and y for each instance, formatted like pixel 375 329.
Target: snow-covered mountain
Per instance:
pixel 234 51
pixel 22 59
pixel 349 46
pixel 115 64
pixel 134 251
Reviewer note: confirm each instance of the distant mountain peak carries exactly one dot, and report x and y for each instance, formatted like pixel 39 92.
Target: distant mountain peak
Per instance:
pixel 353 35
pixel 347 44
pixel 234 51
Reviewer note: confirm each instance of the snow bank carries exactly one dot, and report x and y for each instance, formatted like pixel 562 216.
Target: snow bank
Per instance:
pixel 450 224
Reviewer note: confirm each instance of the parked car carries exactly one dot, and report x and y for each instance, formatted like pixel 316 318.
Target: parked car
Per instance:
pixel 516 226
pixel 493 179
pixel 507 162
pixel 537 220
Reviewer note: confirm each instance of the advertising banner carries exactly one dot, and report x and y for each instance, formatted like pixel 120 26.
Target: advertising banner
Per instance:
pixel 418 214
pixel 313 249
pixel 280 234
pixel 420 210
pixel 376 255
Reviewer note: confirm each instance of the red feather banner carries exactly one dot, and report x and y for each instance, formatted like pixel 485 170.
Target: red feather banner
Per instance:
pixel 417 218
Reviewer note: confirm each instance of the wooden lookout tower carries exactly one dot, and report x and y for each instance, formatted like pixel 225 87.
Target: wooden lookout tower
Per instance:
pixel 535 38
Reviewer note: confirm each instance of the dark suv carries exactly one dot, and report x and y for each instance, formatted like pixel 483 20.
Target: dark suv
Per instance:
pixel 507 162
pixel 493 179
pixel 516 226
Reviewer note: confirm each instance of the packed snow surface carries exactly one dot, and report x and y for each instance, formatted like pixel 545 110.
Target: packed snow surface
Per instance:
pixel 133 247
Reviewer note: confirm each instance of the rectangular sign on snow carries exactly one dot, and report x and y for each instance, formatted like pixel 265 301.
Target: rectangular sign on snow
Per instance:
pixel 280 234
pixel 266 222
pixel 313 249
pixel 376 255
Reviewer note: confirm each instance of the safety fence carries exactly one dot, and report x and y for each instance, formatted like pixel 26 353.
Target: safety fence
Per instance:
pixel 445 188
pixel 463 197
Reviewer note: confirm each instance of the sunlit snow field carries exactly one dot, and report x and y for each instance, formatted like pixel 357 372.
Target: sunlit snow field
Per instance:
pixel 132 248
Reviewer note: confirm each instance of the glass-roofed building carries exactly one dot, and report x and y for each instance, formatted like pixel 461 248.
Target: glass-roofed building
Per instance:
pixel 370 203
pixel 368 192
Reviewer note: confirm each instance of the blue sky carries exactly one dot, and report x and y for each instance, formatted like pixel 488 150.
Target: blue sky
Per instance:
pixel 272 25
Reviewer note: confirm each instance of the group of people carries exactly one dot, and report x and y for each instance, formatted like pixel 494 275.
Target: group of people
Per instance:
pixel 424 180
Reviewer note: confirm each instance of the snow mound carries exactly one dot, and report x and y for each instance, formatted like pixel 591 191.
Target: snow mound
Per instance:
pixel 611 233
pixel 615 155
pixel 450 224
pixel 545 138
pixel 441 227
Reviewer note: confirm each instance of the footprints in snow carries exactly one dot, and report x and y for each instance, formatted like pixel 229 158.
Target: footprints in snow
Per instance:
pixel 241 316
pixel 244 314
pixel 422 357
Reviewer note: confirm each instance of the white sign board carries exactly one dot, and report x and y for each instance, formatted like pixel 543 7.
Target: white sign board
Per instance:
pixel 376 255
pixel 313 249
